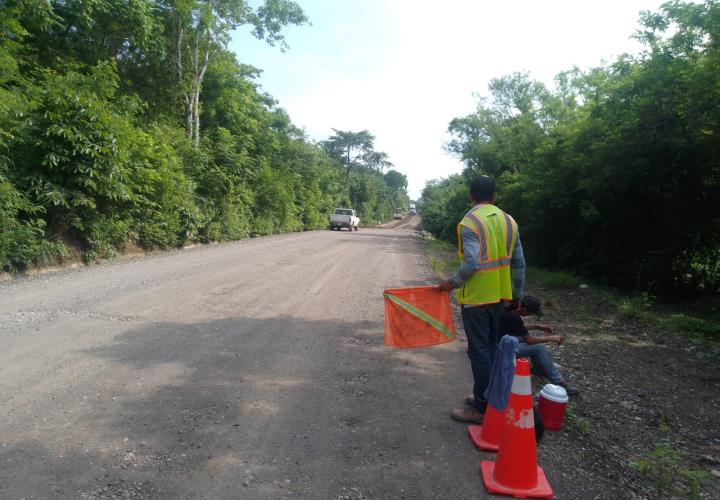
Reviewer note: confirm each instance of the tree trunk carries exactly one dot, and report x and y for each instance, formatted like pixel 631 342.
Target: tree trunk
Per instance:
pixel 198 64
pixel 347 169
pixel 199 67
pixel 179 74
pixel 196 117
pixel 189 122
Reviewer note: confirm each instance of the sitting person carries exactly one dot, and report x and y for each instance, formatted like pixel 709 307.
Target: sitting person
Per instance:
pixel 531 346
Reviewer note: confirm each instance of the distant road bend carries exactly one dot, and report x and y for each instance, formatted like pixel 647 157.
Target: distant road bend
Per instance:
pixel 253 369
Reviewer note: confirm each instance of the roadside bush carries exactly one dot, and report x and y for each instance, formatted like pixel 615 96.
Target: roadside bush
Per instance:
pixel 165 213
pixel 275 210
pixel 22 244
pixel 74 157
pixel 553 279
pixel 86 160
pixel 613 173
pixel 445 202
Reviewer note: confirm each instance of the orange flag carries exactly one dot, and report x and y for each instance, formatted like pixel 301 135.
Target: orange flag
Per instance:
pixel 418 317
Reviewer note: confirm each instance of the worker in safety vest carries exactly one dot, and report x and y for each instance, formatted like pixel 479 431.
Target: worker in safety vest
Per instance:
pixel 492 273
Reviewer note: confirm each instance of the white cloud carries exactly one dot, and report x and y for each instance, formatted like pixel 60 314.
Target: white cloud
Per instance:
pixel 422 63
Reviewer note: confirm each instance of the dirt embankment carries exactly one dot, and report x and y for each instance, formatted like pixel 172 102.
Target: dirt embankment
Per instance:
pixel 647 423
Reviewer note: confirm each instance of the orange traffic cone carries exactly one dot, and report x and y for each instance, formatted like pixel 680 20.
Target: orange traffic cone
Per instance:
pixel 515 472
pixel 487 436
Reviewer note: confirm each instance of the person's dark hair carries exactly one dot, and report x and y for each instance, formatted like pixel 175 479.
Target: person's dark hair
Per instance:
pixel 482 188
pixel 532 304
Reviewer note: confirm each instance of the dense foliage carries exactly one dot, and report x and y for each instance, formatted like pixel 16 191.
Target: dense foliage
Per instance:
pixel 373 193
pixel 615 173
pixel 128 122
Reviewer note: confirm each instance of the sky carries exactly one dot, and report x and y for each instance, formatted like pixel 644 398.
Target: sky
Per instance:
pixel 403 69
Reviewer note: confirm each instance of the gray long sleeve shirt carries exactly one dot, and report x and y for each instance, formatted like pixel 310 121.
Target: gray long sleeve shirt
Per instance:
pixel 470 264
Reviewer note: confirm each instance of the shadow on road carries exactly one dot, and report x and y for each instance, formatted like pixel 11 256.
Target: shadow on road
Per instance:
pixel 243 407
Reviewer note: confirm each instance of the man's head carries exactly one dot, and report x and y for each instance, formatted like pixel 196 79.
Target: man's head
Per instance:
pixel 529 306
pixel 482 190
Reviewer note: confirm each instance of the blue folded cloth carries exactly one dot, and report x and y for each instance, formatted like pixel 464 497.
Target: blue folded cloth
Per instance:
pixel 502 373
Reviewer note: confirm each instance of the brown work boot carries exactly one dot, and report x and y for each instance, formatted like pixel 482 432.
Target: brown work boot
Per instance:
pixel 470 400
pixel 470 415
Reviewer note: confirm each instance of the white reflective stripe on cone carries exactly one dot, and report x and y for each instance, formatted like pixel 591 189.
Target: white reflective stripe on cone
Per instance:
pixel 521 385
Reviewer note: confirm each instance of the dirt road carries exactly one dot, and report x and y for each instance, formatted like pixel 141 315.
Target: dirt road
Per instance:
pixel 247 370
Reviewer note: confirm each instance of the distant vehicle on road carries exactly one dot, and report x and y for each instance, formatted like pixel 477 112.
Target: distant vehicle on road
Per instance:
pixel 413 211
pixel 344 217
pixel 398 214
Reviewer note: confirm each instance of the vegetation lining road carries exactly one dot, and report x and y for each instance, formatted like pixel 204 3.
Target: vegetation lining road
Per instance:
pixel 114 136
pixel 614 173
pixel 613 176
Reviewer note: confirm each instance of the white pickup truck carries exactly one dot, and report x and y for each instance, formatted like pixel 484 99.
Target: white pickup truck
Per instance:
pixel 344 217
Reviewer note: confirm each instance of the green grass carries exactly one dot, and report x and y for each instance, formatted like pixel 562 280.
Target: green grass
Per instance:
pixel 444 261
pixel 637 308
pixel 580 424
pixel 693 324
pixel 552 279
pixel 443 257
pixel 644 308
pixel 665 470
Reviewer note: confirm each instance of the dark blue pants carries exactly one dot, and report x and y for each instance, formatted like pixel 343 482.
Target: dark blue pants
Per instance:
pixel 482 328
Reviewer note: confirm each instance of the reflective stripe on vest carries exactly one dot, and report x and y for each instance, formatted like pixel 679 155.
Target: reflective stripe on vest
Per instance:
pixel 497 233
pixel 480 231
pixel 509 230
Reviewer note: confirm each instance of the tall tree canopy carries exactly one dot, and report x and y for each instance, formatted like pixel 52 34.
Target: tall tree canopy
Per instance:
pixel 376 193
pixel 128 122
pixel 200 29
pixel 615 173
pixel 352 148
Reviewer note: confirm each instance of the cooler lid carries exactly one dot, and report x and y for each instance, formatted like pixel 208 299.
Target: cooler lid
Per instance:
pixel 554 393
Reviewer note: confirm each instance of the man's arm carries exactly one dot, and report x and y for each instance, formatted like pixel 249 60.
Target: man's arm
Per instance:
pixel 517 269
pixel 542 327
pixel 532 339
pixel 471 250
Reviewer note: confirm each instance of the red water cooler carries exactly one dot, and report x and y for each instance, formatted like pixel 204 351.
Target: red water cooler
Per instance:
pixel 552 402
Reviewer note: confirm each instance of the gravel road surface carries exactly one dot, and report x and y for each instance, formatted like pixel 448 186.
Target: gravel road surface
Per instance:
pixel 254 369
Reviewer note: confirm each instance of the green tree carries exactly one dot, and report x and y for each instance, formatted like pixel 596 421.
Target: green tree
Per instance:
pixel 615 173
pixel 200 29
pixel 351 148
pixel 396 180
pixel 93 156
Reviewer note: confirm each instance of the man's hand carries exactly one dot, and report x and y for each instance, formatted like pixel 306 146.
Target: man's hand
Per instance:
pixel 559 339
pixel 446 285
pixel 546 328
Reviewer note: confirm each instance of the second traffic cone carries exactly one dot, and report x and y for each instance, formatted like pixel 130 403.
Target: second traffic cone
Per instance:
pixel 487 436
pixel 515 472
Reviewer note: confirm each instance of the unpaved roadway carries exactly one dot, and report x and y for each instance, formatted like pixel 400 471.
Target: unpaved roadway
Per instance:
pixel 253 369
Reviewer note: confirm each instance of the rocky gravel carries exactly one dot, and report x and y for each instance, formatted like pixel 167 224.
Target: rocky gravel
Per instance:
pixel 257 369
pixel 643 391
pixel 253 369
